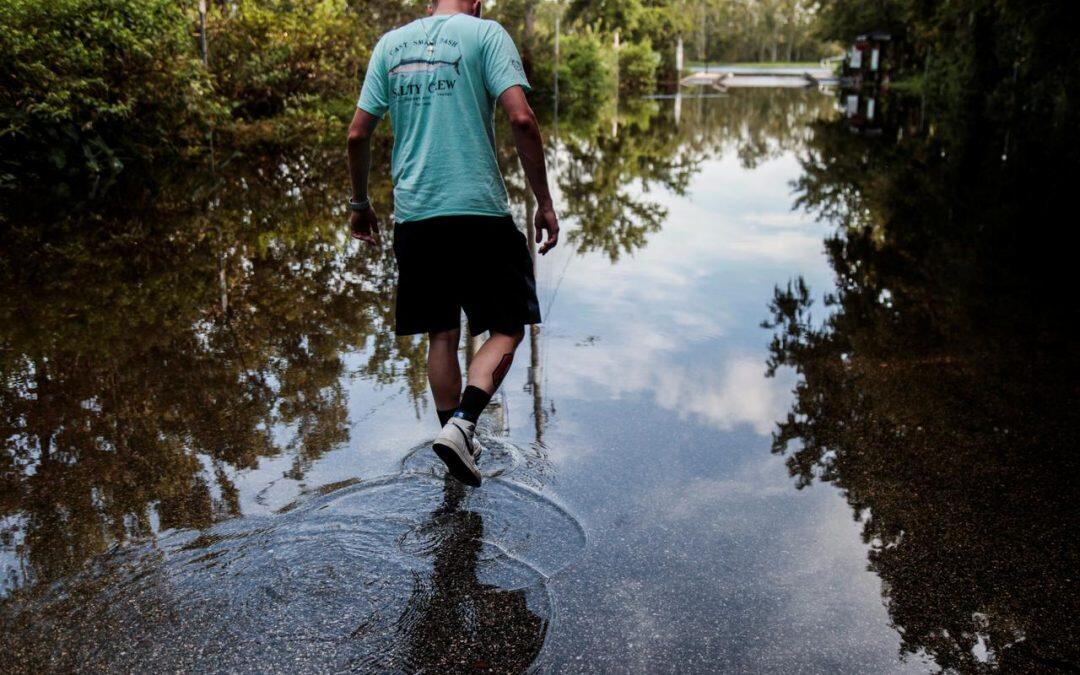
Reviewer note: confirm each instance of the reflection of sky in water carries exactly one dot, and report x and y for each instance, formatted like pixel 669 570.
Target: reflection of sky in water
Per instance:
pixel 651 524
pixel 701 551
pixel 680 318
pixel 702 554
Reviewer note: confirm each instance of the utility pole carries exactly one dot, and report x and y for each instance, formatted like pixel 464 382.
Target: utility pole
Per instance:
pixel 615 119
pixel 533 379
pixel 558 18
pixel 202 33
pixel 703 52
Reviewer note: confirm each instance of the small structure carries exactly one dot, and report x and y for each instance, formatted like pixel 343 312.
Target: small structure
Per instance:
pixel 732 77
pixel 867 61
pixel 860 107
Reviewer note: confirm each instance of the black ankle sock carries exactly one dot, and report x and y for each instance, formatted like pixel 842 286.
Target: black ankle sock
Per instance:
pixel 445 415
pixel 473 402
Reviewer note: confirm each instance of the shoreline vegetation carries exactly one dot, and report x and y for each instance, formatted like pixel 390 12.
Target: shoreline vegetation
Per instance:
pixel 102 88
pixel 97 89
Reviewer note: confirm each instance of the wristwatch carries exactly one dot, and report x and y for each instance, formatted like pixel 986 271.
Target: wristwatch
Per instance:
pixel 360 206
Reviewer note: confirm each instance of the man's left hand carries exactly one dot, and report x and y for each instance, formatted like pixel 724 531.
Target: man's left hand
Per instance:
pixel 365 226
pixel 546 221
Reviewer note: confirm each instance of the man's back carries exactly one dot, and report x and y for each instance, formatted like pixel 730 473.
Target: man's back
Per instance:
pixel 456 246
pixel 439 78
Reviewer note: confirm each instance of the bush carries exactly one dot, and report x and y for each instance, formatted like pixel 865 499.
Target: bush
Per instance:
pixel 637 68
pixel 270 55
pixel 586 73
pixel 92 84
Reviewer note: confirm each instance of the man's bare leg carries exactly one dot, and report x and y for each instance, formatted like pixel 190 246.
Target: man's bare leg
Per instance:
pixel 491 363
pixel 486 372
pixel 444 372
pixel 454 444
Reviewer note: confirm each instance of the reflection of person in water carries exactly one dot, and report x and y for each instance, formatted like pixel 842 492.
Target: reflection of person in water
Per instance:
pixel 456 245
pixel 457 623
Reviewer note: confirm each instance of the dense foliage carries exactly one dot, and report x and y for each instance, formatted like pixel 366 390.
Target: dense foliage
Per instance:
pixel 94 86
pixel 937 388
pixel 90 85
pixel 637 68
pixel 956 50
pixel 711 30
pixel 268 55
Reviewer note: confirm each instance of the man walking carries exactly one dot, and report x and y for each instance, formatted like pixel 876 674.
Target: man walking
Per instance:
pixel 455 242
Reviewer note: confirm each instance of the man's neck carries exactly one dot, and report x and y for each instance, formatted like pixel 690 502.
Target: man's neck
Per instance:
pixel 444 8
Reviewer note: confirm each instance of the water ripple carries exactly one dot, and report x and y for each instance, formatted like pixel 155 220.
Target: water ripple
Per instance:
pixel 404 572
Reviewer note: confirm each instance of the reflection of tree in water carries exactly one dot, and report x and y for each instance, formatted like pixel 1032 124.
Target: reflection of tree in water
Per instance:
pixel 152 345
pixel 607 165
pixel 151 348
pixel 757 124
pixel 599 172
pixel 455 622
pixel 939 393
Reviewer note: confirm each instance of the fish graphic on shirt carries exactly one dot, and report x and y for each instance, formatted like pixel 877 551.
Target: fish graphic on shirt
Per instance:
pixel 409 66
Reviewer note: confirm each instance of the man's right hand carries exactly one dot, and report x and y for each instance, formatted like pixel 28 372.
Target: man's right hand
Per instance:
pixel 547 220
pixel 365 226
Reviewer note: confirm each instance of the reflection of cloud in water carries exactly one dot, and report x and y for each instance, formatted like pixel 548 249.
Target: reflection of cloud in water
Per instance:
pixel 703 495
pixel 740 394
pixel 725 396
pixel 730 216
pixel 661 314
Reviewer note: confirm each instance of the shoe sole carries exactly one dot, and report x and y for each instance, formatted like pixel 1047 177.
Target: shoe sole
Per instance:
pixel 455 465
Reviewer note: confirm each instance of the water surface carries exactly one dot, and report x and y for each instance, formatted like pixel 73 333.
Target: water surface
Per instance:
pixel 216 451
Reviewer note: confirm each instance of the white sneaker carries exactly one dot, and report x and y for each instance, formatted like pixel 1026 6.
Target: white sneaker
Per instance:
pixel 454 446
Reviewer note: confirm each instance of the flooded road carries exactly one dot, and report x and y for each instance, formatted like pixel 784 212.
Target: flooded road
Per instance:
pixel 216 452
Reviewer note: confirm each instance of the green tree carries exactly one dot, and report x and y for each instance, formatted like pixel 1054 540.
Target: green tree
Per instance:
pixel 94 85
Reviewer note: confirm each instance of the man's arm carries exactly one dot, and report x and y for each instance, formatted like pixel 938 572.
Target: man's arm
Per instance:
pixel 530 148
pixel 364 224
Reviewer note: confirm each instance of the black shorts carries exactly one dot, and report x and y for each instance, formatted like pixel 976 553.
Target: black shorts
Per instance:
pixel 477 263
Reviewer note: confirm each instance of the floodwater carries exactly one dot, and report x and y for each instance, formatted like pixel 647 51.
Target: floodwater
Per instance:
pixel 216 453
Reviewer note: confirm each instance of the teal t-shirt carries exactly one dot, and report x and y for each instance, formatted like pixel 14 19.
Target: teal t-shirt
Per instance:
pixel 439 77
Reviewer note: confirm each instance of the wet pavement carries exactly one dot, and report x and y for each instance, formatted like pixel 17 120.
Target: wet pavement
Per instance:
pixel 216 453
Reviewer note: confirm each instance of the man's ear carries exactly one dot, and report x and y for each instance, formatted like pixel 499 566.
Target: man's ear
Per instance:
pixel 477 7
pixel 430 8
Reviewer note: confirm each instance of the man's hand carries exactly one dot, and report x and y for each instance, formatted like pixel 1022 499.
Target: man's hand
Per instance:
pixel 365 226
pixel 547 220
pixel 530 149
